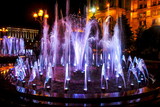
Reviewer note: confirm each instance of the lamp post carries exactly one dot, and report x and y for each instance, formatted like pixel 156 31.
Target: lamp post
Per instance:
pixel 93 10
pixel 41 16
pixel 108 5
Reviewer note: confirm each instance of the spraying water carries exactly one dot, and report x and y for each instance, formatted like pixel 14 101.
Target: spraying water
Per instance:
pixel 12 46
pixel 74 45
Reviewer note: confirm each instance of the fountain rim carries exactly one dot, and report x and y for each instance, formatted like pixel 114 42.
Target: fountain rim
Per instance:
pixel 87 97
pixel 92 98
pixel 135 93
pixel 102 95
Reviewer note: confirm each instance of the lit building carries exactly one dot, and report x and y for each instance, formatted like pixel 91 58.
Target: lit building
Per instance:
pixel 139 12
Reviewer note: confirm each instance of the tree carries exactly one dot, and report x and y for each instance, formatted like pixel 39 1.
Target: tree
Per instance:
pixel 148 44
pixel 139 33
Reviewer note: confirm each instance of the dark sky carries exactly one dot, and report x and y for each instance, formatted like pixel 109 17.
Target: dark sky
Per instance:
pixel 19 13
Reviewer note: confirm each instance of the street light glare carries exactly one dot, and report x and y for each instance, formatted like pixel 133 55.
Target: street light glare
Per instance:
pixel 41 11
pixel 108 5
pixel 40 14
pixel 35 15
pixel 46 16
pixel 93 10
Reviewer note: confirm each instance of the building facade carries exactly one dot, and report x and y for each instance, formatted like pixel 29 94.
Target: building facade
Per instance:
pixel 139 12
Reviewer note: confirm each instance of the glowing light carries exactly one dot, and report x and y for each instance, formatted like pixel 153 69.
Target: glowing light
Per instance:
pixel 3 30
pixel 108 5
pixel 9 36
pixel 40 13
pixel 78 30
pixel 93 10
pixel 97 8
pixel 46 16
pixel 35 15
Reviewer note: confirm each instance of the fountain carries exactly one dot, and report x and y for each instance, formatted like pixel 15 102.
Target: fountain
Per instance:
pixel 75 60
pixel 69 55
pixel 12 46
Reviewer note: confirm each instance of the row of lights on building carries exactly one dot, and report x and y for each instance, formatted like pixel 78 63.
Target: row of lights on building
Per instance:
pixel 3 30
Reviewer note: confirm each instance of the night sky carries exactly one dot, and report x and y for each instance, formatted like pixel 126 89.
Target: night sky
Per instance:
pixel 18 13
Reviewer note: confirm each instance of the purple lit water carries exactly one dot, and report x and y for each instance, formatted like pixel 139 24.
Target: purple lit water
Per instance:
pixel 74 47
pixel 12 46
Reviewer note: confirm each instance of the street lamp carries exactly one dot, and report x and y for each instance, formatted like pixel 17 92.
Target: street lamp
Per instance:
pixel 41 16
pixel 93 10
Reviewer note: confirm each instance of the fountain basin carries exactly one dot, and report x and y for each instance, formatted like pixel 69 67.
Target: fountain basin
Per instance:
pixel 77 82
pixel 36 94
pixel 23 96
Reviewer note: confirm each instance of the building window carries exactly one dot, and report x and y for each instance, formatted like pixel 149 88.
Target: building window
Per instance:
pixel 153 21
pixel 154 13
pixel 158 12
pixel 158 2
pixel 112 3
pixel 120 3
pixel 142 23
pixel 140 6
pixel 142 15
pixel 154 2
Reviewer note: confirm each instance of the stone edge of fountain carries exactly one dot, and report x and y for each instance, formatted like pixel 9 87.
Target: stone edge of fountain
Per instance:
pixel 131 95
pixel 95 98
pixel 104 95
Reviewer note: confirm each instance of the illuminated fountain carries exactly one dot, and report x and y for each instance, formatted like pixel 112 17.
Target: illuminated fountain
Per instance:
pixel 79 64
pixel 67 58
pixel 12 46
pixel 74 57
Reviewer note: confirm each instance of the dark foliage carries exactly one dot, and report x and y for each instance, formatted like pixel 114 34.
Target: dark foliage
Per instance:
pixel 148 45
